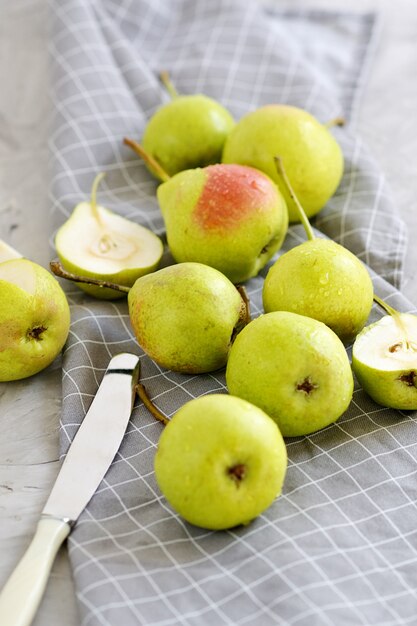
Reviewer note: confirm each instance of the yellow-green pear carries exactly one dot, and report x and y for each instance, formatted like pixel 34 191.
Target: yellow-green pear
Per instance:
pixel 34 319
pixel 313 159
pixel 187 132
pixel 321 279
pixel 220 461
pixel 184 316
pixel 98 243
pixel 292 367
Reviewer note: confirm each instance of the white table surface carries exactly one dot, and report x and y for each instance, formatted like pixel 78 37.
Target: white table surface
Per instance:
pixel 29 411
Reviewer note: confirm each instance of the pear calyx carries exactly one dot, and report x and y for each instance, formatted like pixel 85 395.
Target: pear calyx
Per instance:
pixel 409 378
pixel 306 386
pixel 237 473
pixel 36 332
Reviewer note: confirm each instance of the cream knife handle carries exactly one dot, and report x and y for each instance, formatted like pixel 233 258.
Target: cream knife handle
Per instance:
pixel 23 591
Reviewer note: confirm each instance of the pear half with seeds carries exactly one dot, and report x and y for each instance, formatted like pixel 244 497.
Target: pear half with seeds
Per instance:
pixel 384 359
pixel 98 243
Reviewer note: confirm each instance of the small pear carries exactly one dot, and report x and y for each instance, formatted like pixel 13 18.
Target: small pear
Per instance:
pixel 320 279
pixel 185 316
pixel 34 319
pixel 294 368
pixel 96 242
pixel 384 359
pixel 312 157
pixel 230 217
pixel 187 132
pixel 220 461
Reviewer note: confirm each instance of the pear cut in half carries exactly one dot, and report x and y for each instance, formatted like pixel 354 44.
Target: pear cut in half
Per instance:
pixel 384 359
pixel 98 243
pixel 7 252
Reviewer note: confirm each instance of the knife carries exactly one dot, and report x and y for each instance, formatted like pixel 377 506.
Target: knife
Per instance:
pixel 88 459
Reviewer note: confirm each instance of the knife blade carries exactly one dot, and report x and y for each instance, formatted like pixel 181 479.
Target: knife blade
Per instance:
pixel 86 463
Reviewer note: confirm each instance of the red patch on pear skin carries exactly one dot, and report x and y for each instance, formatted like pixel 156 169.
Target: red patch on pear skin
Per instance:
pixel 231 193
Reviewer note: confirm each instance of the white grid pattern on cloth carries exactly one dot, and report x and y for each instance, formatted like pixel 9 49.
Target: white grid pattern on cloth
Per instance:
pixel 339 546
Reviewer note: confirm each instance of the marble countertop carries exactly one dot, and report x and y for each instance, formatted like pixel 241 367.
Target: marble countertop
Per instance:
pixel 29 414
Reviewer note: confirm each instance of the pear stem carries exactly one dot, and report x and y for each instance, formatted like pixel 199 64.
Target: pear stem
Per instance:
pixel 397 317
pixel 244 295
pixel 168 84
pixel 58 269
pixel 148 158
pixel 93 200
pixel 387 308
pixel 336 121
pixel 156 413
pixel 303 217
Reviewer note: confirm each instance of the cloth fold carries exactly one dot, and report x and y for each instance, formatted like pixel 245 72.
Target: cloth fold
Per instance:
pixel 338 547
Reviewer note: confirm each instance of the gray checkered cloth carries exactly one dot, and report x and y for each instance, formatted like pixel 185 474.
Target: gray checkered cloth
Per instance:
pixel 339 546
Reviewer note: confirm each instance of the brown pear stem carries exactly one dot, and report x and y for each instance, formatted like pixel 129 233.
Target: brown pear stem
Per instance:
pixel 148 158
pixel 143 395
pixel 303 217
pixel 58 269
pixel 244 295
pixel 168 84
pixel 336 121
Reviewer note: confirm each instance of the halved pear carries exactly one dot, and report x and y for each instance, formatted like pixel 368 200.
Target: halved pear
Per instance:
pixel 7 252
pixel 384 359
pixel 98 243
pixel 34 319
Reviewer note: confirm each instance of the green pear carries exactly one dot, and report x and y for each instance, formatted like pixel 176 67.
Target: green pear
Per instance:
pixel 7 252
pixel 320 279
pixel 294 368
pixel 220 462
pixel 384 359
pixel 185 316
pixel 230 217
pixel 34 319
pixel 312 157
pixel 187 132
pixel 96 242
